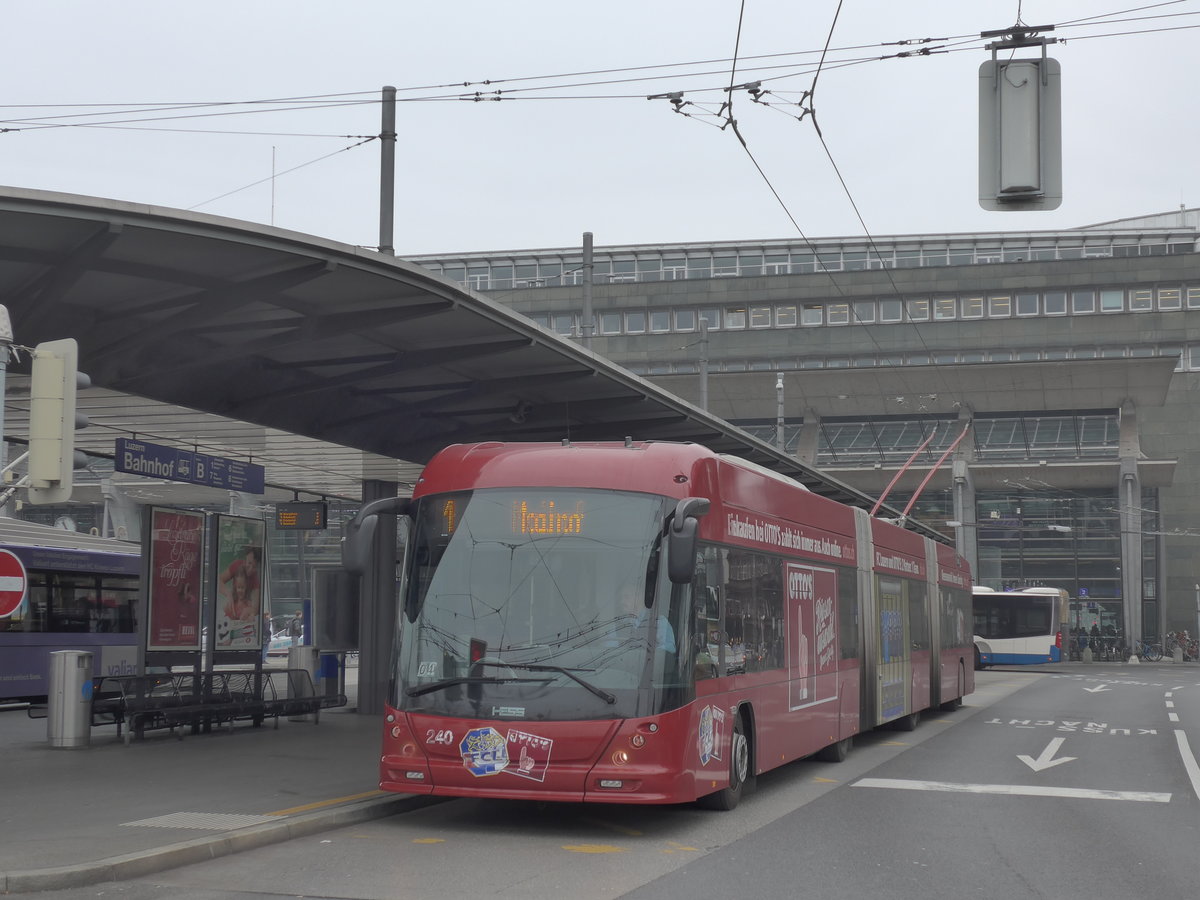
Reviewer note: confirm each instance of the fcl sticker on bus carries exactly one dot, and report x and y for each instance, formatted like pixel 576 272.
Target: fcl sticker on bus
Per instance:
pixel 487 752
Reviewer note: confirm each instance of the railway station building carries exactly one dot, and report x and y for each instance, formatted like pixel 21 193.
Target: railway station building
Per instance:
pixel 1030 393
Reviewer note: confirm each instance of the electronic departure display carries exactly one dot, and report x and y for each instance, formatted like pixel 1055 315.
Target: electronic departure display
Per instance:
pixel 546 517
pixel 300 515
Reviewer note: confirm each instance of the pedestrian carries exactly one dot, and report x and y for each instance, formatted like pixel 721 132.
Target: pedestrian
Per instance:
pixel 296 627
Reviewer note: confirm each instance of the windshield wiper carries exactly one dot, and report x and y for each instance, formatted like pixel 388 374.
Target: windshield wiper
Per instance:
pixel 531 667
pixel 472 679
pixel 546 667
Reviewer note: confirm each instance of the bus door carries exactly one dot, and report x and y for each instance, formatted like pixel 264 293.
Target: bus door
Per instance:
pixel 894 661
pixel 920 644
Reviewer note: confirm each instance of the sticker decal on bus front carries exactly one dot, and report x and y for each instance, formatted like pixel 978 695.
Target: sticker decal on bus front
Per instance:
pixel 710 738
pixel 484 751
pixel 428 669
pixel 532 753
pixel 487 752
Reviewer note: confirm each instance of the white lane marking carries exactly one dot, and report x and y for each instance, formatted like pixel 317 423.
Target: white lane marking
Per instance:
pixel 1097 689
pixel 1016 790
pixel 1169 694
pixel 1046 759
pixel 1189 761
pixel 1173 717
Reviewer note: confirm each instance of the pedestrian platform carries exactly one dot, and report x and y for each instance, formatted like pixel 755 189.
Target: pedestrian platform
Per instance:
pixel 111 810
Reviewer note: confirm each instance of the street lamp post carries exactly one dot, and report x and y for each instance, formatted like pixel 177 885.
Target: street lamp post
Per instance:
pixel 1197 610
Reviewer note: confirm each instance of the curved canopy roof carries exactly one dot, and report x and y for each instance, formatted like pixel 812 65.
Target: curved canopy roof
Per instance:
pixel 374 362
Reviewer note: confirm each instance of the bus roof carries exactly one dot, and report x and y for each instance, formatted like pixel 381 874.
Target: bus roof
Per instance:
pixel 17 532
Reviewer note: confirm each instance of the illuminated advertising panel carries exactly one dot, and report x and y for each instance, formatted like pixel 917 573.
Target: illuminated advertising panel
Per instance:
pixel 240 583
pixel 175 551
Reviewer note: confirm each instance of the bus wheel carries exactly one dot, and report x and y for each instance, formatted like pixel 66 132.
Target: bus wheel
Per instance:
pixel 739 772
pixel 907 723
pixel 836 752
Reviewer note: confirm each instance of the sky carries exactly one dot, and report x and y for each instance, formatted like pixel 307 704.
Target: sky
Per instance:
pixel 163 103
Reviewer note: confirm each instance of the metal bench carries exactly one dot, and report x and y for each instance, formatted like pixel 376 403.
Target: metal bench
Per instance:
pixel 137 703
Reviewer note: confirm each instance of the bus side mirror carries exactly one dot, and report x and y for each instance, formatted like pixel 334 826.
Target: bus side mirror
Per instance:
pixel 360 531
pixel 681 540
pixel 357 543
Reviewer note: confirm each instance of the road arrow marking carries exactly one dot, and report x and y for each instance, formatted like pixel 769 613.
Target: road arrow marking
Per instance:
pixel 1046 760
pixel 1097 689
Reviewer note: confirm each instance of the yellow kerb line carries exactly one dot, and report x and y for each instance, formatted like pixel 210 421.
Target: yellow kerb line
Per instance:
pixel 310 806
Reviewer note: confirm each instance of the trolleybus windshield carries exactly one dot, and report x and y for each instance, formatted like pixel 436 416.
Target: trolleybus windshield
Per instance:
pixel 540 603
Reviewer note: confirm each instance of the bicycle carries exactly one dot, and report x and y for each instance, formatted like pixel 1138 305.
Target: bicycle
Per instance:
pixel 1146 652
pixel 1178 640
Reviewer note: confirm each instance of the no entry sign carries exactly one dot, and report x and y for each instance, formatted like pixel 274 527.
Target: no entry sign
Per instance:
pixel 13 582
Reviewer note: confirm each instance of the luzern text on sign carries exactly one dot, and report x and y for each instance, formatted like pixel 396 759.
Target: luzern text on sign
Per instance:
pixel 173 464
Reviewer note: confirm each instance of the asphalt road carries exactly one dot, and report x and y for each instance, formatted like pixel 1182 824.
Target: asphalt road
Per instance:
pixel 1043 785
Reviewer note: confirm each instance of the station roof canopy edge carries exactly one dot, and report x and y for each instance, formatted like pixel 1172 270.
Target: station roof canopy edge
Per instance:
pixel 326 363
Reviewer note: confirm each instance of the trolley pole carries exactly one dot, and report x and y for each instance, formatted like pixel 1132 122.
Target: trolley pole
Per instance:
pixel 387 173
pixel 780 438
pixel 6 342
pixel 587 326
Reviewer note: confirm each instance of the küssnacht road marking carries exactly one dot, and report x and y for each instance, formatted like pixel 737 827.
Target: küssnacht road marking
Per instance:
pixel 1021 790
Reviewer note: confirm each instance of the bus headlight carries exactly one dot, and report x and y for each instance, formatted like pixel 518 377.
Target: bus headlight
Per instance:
pixel 620 758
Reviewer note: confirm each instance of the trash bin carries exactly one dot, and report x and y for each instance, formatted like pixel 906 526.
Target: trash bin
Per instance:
pixel 330 682
pixel 303 657
pixel 69 701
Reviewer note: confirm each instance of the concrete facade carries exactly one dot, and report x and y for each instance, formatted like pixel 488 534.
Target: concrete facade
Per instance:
pixel 1107 338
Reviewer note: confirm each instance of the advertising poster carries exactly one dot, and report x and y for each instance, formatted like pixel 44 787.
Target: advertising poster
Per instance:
pixel 176 552
pixel 241 582
pixel 811 599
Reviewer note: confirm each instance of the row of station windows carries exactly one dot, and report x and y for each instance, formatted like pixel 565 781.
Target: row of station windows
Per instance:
pixel 657 265
pixel 852 442
pixel 1188 355
pixel 885 311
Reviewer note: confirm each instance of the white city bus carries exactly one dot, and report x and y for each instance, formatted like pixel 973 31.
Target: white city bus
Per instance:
pixel 1018 628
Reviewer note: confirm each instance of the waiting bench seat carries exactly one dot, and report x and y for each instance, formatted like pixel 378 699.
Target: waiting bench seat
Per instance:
pixel 137 703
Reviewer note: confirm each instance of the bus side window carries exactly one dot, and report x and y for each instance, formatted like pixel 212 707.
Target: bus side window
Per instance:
pixel 918 620
pixel 706 596
pixel 848 612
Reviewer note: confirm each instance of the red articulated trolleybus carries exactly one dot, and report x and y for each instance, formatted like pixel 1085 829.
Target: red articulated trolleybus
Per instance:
pixel 650 623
